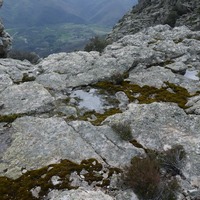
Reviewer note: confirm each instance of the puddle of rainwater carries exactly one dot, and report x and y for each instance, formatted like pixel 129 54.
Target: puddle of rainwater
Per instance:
pixel 192 75
pixel 89 100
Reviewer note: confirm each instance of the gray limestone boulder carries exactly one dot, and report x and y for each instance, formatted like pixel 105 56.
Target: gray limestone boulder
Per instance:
pixel 53 139
pixel 173 50
pixel 194 105
pixel 18 71
pixel 26 98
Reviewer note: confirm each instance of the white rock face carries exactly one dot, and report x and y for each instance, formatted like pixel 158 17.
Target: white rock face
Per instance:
pixel 79 194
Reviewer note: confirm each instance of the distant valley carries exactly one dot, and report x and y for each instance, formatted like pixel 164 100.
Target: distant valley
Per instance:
pixel 62 25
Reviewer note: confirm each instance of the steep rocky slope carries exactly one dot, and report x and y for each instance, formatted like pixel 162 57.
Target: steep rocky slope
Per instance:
pixel 152 12
pixel 57 118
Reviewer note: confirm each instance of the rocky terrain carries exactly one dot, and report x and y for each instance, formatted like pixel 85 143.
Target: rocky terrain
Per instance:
pixel 72 124
pixel 153 12
pixel 147 81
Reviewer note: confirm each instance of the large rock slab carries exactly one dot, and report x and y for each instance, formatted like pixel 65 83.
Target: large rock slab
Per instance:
pixel 29 98
pixel 37 142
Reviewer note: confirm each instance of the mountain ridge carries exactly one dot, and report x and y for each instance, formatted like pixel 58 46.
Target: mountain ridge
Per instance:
pixel 30 13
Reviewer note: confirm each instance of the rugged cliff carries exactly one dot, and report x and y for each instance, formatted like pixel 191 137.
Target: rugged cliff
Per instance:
pixel 5 39
pixel 152 12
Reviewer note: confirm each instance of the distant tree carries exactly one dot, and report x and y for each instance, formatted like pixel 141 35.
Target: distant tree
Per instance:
pixel 96 44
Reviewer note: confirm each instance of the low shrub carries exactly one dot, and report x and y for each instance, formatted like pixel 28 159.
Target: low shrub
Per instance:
pixel 96 44
pixel 173 160
pixel 123 130
pixel 145 178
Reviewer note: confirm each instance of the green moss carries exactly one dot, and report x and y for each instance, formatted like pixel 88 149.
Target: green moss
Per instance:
pixel 27 78
pixel 106 182
pixel 114 170
pixel 99 117
pixel 147 94
pixel 9 118
pixel 136 144
pixel 19 189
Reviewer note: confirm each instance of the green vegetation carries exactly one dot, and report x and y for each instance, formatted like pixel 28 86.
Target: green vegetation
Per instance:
pixel 147 94
pixel 142 95
pixel 45 40
pixel 171 18
pixel 9 118
pixel 99 117
pixel 19 189
pixel 145 178
pixel 123 130
pixel 96 44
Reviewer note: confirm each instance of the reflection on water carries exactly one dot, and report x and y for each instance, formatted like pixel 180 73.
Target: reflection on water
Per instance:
pixel 89 100
pixel 192 74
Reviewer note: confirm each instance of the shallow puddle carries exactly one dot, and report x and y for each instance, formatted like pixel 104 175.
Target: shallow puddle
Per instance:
pixel 89 100
pixel 192 74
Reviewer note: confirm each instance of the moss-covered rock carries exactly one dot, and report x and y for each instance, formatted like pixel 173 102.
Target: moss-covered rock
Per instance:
pixel 20 188
pixel 146 94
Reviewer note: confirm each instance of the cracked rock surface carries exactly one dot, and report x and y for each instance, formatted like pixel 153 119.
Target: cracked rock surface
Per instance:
pixel 42 122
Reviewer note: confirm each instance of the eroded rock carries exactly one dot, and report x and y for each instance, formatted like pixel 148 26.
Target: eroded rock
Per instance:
pixel 38 142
